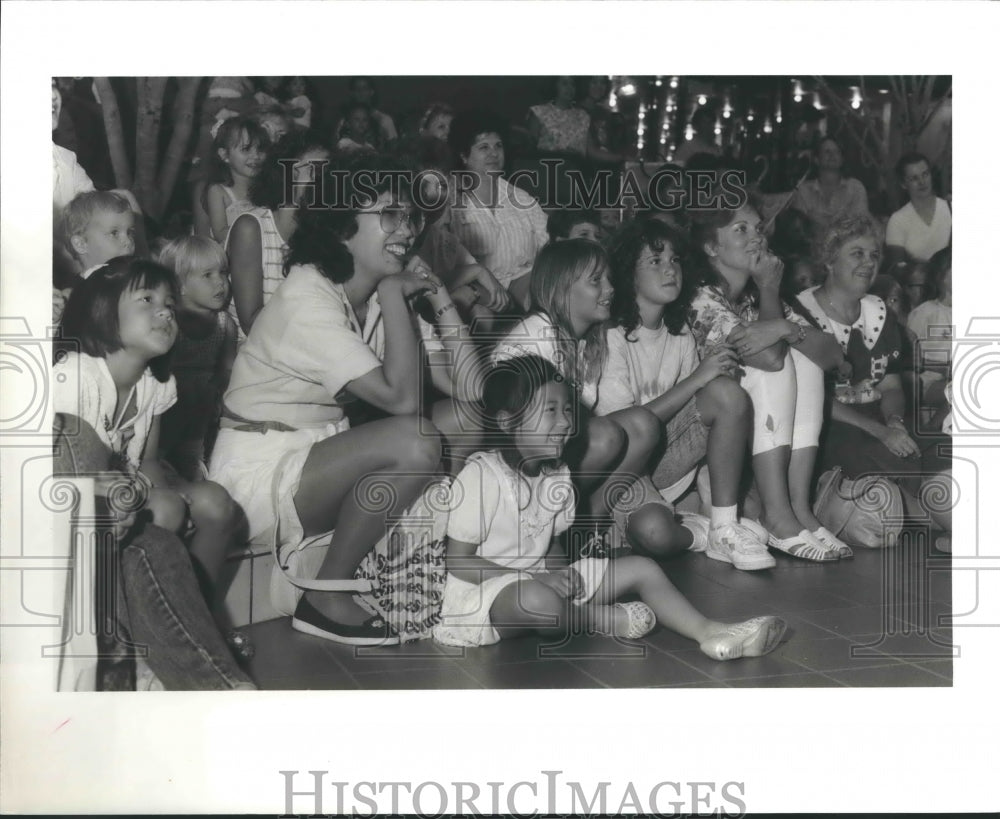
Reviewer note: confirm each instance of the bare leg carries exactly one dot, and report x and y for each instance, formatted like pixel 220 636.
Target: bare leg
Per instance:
pixel 217 520
pixel 802 463
pixel 529 606
pixel 352 482
pixel 771 471
pixel 642 434
pixel 642 576
pixel 726 410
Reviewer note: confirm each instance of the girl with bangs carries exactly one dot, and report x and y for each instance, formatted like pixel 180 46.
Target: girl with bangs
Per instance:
pixel 653 363
pixel 122 317
pixel 571 298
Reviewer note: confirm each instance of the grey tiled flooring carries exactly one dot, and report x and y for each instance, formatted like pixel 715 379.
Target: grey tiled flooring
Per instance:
pixel 855 623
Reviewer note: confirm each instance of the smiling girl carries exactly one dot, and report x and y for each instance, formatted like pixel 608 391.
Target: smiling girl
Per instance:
pixel 571 294
pixel 652 363
pixel 238 155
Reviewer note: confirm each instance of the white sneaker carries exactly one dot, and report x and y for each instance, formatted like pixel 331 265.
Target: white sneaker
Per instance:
pixel 735 543
pixel 698 526
pixel 754 638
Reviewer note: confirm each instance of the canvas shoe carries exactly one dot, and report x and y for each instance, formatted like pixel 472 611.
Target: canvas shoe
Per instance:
pixel 698 526
pixel 735 543
pixel 754 638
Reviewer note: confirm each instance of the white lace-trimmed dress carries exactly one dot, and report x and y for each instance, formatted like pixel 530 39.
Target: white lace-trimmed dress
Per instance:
pixel 272 256
pixel 513 518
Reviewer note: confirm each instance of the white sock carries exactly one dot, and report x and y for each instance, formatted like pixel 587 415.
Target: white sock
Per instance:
pixel 721 515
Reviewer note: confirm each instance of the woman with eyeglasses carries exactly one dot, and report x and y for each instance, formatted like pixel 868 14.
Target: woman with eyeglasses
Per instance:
pixel 258 239
pixel 342 328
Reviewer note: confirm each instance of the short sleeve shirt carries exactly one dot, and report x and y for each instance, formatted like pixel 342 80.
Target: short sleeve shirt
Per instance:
pixel 305 346
pixel 712 316
pixel 907 230
pixel 83 387
pixel 637 371
pixel 511 516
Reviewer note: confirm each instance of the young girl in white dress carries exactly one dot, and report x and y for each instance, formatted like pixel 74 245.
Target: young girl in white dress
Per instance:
pixel 507 573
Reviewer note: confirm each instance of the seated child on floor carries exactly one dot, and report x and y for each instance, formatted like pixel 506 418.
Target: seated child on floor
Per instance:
pixel 506 573
pixel 202 357
pixel 95 227
pixel 119 328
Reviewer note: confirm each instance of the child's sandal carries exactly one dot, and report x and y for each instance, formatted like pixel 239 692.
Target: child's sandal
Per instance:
pixel 641 619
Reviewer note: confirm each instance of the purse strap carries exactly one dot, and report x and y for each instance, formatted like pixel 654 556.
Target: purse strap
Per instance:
pixel 307 584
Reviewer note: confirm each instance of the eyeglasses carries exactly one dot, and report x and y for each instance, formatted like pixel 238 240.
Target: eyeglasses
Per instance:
pixel 392 216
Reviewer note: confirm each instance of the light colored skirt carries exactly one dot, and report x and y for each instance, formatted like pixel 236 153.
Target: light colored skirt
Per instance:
pixel 465 611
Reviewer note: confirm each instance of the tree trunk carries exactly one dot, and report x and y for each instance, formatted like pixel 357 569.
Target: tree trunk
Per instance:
pixel 113 130
pixel 177 149
pixel 147 141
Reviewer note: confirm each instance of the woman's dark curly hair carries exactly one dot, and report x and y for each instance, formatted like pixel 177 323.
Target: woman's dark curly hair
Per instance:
pixel 319 238
pixel 625 250
pixel 467 125
pixel 270 185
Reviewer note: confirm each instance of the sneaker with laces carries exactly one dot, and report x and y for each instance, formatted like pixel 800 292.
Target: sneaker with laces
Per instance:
pixel 698 526
pixel 753 638
pixel 735 543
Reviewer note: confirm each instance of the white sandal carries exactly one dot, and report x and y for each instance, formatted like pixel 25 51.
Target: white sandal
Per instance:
pixel 641 620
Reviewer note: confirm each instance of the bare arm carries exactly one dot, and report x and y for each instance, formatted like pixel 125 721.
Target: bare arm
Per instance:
pixel 215 200
pixel 395 386
pixel 150 466
pixel 463 562
pixel 246 270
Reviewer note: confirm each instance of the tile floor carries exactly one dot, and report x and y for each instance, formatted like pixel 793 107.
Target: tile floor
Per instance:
pixel 880 619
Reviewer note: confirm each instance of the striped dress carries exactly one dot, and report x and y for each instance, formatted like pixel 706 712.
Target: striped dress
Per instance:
pixel 273 250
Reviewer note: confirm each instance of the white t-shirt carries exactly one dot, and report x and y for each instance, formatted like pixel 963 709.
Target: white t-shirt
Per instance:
pixel 513 517
pixel 305 346
pixel 535 334
pixel 83 387
pixel 907 230
pixel 638 371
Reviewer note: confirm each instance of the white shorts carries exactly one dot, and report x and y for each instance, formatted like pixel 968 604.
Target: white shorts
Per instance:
pixel 465 611
pixel 247 464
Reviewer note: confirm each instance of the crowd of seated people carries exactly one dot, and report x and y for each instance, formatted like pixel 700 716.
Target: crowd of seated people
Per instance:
pixel 249 372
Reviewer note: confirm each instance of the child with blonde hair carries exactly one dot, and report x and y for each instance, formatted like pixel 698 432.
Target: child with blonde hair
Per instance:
pixel 203 355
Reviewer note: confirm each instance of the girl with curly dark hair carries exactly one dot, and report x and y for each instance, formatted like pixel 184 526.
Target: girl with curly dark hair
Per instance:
pixel 652 363
pixel 341 329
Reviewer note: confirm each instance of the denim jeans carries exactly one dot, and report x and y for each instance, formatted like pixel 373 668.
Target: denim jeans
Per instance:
pixel 158 608
pixel 164 612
